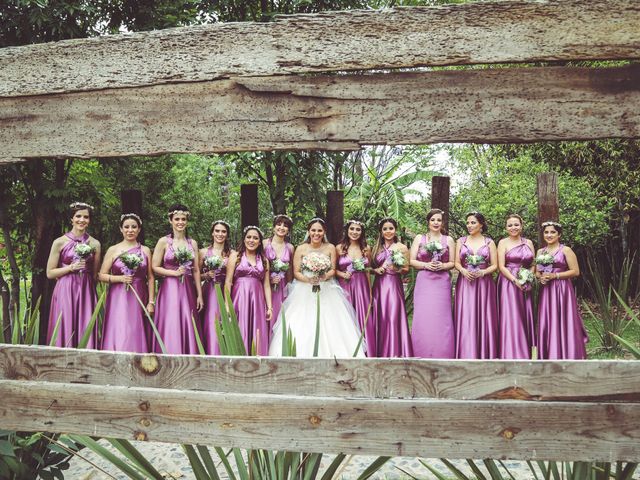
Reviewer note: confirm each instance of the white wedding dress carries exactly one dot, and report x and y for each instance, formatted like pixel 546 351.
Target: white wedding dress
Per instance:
pixel 339 334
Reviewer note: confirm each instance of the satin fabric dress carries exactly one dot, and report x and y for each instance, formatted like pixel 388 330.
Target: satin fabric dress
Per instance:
pixel 125 324
pixel 476 310
pixel 250 304
pixel 176 308
pixel 561 333
pixel 279 291
pixel 358 292
pixel 432 332
pixel 74 299
pixel 211 310
pixel 389 313
pixel 515 307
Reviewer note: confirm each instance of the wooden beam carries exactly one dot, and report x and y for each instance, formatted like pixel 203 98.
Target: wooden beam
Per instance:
pixel 548 204
pixel 569 381
pixel 473 33
pixel 425 428
pixel 327 112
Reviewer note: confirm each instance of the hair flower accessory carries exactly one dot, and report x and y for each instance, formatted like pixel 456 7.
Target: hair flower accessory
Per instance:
pixel 81 205
pixel 221 222
pixel 550 223
pixel 186 213
pixel 130 215
pixel 252 227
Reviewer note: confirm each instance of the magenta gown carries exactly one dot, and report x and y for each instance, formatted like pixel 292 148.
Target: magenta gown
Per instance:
pixel 432 332
pixel 125 323
pixel 176 308
pixel 389 314
pixel 476 310
pixel 211 311
pixel 250 305
pixel 279 292
pixel 358 293
pixel 73 300
pixel 515 307
pixel 561 333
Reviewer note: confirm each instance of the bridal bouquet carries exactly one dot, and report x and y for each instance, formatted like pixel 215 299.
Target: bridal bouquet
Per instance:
pixel 397 259
pixel 314 265
pixel 474 262
pixel 525 278
pixel 82 251
pixel 435 249
pixel 184 256
pixel 131 262
pixel 213 262
pixel 357 265
pixel 278 269
pixel 544 261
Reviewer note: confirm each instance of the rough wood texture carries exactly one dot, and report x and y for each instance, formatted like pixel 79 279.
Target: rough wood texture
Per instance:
pixel 425 428
pixel 578 381
pixel 548 204
pixel 475 33
pixel 327 112
pixel 249 211
pixel 440 195
pixel 335 215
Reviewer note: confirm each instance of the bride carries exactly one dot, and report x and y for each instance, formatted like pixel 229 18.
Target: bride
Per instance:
pixel 338 334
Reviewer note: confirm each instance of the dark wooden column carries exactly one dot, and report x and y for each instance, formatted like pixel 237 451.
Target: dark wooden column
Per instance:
pixel 335 215
pixel 440 190
pixel 548 207
pixel 131 202
pixel 249 204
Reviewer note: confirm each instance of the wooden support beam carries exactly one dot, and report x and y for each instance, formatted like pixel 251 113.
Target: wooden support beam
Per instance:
pixel 327 112
pixel 440 192
pixel 249 204
pixel 335 215
pixel 473 33
pixel 548 204
pixel 417 427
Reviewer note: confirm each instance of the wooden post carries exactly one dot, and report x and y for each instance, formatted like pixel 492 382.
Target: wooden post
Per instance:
pixel 131 202
pixel 249 204
pixel 335 215
pixel 440 187
pixel 547 192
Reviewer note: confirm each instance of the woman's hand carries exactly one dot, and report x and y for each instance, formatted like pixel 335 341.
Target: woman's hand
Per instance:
pixel 379 270
pixel 199 303
pixel 151 307
pixel 269 313
pixel 126 279
pixel 77 266
pixel 275 279
pixel 180 271
pixel 469 275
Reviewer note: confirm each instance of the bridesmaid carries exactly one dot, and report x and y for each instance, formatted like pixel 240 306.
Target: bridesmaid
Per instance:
pixel 74 296
pixel 432 331
pixel 476 309
pixel 125 322
pixel 277 248
pixel 353 248
pixel 515 306
pixel 180 295
pixel 220 248
pixel 389 314
pixel 561 333
pixel 248 273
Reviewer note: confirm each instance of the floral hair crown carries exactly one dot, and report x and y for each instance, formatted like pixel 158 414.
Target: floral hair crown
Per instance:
pixel 282 215
pixel 221 222
pixel 186 213
pixel 385 220
pixel 316 219
pixel 130 215
pixel 357 222
pixel 252 227
pixel 81 205
pixel 550 223
pixel 475 213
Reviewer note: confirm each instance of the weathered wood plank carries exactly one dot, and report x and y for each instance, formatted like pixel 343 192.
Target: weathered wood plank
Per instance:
pixel 483 32
pixel 327 112
pixel 579 381
pixel 426 428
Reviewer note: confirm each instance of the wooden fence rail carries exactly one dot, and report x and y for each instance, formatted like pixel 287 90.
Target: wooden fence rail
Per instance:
pixel 579 410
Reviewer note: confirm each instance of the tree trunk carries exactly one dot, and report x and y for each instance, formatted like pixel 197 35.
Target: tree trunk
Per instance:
pixel 6 319
pixel 14 299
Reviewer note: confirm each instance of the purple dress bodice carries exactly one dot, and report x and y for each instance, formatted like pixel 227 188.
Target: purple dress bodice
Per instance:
pixel 271 254
pixel 425 256
pixel 345 263
pixel 384 258
pixel 484 250
pixel 68 255
pixel 246 270
pixel 518 257
pixel 211 312
pixel 219 274
pixel 171 263
pixel 118 268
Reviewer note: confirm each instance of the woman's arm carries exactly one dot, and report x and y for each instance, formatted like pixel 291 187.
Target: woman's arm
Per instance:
pixel 494 260
pixel 231 268
pixel 104 275
pixel 55 272
pixel 451 247
pixel 97 256
pixel 158 255
pixel 502 251
pixel 572 264
pixel 266 285
pixel 413 254
pixel 196 276
pixel 151 281
pixel 402 248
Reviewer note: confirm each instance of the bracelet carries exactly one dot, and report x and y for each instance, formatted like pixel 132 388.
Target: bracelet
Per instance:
pixel 557 276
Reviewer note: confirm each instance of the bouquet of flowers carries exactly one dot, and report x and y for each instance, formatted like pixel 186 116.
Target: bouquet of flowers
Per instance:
pixel 131 262
pixel 82 251
pixel 435 249
pixel 544 262
pixel 278 269
pixel 474 262
pixel 314 265
pixel 214 262
pixel 525 278
pixel 184 256
pixel 397 259
pixel 357 265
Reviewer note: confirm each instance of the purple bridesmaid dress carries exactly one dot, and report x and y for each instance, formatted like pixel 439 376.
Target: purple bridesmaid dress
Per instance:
pixel 211 311
pixel 125 323
pixel 476 310
pixel 561 333
pixel 432 331
pixel 74 299
pixel 250 305
pixel 515 307
pixel 176 308
pixel 389 314
pixel 279 291
pixel 358 293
